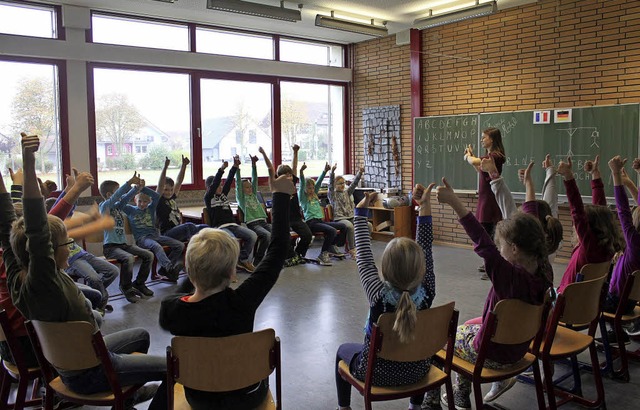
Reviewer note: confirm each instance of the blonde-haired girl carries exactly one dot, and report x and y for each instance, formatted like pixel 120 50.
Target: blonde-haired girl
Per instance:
pixel 405 284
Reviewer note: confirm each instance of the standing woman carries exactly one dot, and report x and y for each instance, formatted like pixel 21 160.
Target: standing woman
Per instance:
pixel 488 211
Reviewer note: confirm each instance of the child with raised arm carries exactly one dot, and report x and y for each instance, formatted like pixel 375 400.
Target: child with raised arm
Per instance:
pixel 516 265
pixel 341 200
pixel 255 216
pixel 115 244
pixel 314 215
pixel 142 218
pixel 168 213
pixel 215 309
pixel 629 262
pixel 35 252
pixel 296 254
pixel 595 231
pixel 221 215
pixel 404 285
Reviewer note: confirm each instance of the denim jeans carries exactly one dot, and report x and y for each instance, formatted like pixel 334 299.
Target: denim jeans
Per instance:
pixel 263 230
pixel 349 352
pixel 92 295
pixel 129 368
pixel 248 238
pixel 155 243
pixel 124 254
pixel 330 231
pixel 185 231
pixel 97 273
pixel 347 227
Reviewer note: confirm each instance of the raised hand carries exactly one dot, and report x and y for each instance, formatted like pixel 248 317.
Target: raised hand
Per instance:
pixel 17 177
pixel 617 164
pixel 422 195
pixel 225 164
pixel 281 184
pixel 368 201
pixel 142 184
pixel 527 176
pixel 261 150
pixel 636 165
pixel 254 159
pixel 593 167
pixel 236 161
pixel 548 162
pixel 327 167
pixel 84 180
pixel 445 193
pixel 362 169
pixel 30 144
pixel 488 165
pixel 303 167
pixel 167 161
pixel 94 212
pixel 566 169
pixel 333 168
pixel 468 152
pixel 135 179
pixel 296 147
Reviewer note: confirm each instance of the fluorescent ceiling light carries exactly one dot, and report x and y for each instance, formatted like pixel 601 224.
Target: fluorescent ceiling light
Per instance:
pixel 255 9
pixel 478 10
pixel 352 26
pixel 168 1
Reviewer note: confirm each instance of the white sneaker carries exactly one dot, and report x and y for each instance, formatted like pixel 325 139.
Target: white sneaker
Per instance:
pixel 633 329
pixel 324 259
pixel 497 388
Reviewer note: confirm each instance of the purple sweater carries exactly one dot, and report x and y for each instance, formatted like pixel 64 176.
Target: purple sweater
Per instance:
pixel 508 282
pixel 630 259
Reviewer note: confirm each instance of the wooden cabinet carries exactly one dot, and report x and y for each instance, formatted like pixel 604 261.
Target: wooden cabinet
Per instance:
pixel 394 222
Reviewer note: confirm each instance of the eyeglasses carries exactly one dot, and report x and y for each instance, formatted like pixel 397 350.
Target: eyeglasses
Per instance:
pixel 69 242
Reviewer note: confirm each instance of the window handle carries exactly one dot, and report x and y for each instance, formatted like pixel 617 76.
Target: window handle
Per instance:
pixel 199 132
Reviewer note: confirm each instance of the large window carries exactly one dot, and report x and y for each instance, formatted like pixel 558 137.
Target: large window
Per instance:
pixel 311 53
pixel 30 102
pixel 313 118
pixel 234 44
pixel 236 119
pixel 28 20
pixel 141 118
pixel 140 33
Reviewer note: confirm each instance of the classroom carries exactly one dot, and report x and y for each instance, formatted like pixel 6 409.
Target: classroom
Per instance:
pixel 400 89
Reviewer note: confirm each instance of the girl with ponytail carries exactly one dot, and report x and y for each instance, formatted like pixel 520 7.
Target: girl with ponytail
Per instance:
pixel 405 284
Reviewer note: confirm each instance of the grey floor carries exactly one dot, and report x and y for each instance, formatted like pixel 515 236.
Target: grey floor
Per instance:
pixel 314 309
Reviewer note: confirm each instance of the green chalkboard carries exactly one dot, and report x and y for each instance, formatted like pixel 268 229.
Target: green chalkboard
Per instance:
pixel 604 130
pixel 438 150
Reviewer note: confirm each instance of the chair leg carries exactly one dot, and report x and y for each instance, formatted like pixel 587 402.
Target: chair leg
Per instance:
pixel 622 373
pixel 538 385
pixel 577 380
pixel 548 381
pixel 477 395
pixel 21 393
pixel 5 387
pixel 597 377
pixel 448 384
pixel 48 398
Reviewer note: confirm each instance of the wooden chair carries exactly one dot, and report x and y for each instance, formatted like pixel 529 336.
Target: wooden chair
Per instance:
pixel 592 271
pixel 75 346
pixel 435 328
pixel 16 372
pixel 220 364
pixel 511 322
pixel 578 304
pixel 631 291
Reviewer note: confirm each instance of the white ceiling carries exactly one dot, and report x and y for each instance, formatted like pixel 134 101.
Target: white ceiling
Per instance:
pixel 398 14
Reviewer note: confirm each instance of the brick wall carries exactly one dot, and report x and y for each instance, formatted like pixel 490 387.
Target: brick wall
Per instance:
pixel 554 53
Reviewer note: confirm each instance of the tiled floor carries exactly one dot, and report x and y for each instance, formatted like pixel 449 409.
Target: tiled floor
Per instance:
pixel 314 309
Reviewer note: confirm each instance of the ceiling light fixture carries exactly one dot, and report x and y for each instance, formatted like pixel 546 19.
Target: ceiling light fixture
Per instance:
pixel 477 10
pixel 255 9
pixel 168 1
pixel 352 26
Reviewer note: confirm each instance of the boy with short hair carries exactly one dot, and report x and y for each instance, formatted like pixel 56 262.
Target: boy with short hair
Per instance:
pixel 142 218
pixel 168 213
pixel 221 215
pixel 255 217
pixel 115 244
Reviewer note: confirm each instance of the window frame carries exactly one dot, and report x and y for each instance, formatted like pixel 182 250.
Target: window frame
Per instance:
pixel 57 9
pixel 63 102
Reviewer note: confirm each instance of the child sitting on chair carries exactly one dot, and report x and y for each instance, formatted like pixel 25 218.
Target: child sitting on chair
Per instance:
pixel 215 309
pixel 168 213
pixel 405 284
pixel 115 244
pixel 255 216
pixel 142 218
pixel 341 200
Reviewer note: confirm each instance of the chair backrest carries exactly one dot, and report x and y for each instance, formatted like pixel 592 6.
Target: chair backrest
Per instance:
pixel 218 364
pixel 205 216
pixel 328 213
pixel 517 321
pixel 430 334
pixel 634 281
pixel 581 301
pixel 67 345
pixel 592 271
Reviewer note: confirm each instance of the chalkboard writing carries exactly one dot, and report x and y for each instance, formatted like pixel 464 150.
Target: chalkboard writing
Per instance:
pixel 604 131
pixel 439 144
